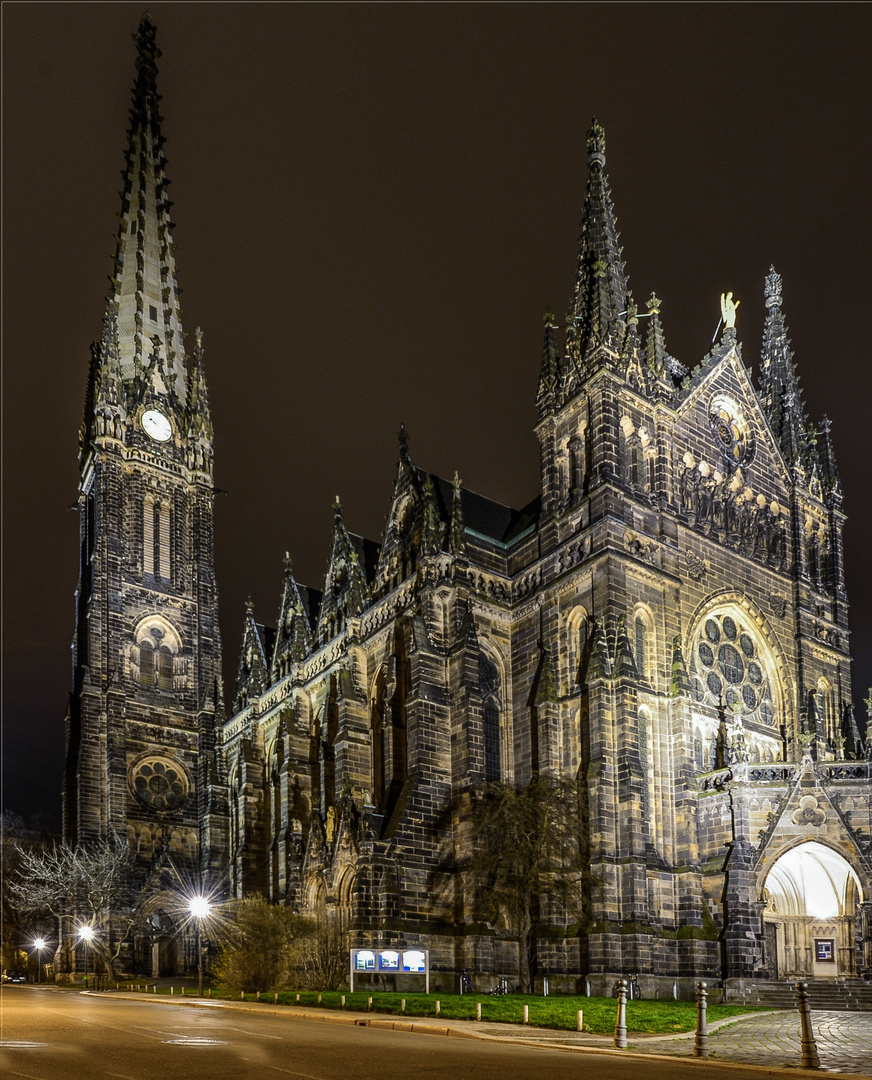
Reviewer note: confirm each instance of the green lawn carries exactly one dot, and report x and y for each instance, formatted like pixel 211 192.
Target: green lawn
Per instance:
pixel 557 1011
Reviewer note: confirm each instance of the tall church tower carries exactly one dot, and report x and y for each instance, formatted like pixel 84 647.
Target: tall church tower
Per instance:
pixel 146 649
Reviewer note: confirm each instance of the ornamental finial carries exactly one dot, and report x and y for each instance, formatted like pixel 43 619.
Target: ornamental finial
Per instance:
pixel 772 289
pixel 596 145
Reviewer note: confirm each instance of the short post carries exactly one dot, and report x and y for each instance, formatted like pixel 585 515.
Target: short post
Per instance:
pixel 587 987
pixel 172 991
pixel 402 1004
pixel 478 1010
pixel 701 1043
pixel 437 1006
pixel 368 1003
pixel 242 995
pixel 319 999
pixel 810 1059
pixel 545 986
pixel 526 1014
pixel 298 999
pixel 620 1042
pixel 257 995
pixel 579 1023
pixel 342 1002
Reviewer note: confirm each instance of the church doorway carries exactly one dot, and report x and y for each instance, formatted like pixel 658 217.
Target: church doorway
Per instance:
pixel 163 945
pixel 812 895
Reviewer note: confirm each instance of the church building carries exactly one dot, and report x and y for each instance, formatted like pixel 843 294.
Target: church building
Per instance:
pixel 664 625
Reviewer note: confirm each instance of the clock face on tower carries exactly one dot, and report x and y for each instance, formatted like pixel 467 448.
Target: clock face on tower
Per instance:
pixel 156 425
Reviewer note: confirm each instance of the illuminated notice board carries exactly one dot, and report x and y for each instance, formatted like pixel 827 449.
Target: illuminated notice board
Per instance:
pixel 390 962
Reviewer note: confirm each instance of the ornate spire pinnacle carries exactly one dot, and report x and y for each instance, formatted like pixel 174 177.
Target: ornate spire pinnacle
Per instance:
pixel 601 285
pixel 549 373
pixel 143 292
pixel 456 528
pixel 198 411
pixel 779 382
pixel 294 632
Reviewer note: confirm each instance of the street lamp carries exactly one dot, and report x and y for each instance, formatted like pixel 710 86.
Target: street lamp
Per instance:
pixel 39 945
pixel 199 908
pixel 86 934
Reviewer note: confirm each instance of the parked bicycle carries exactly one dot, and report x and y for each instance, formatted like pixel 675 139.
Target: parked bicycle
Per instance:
pixel 501 989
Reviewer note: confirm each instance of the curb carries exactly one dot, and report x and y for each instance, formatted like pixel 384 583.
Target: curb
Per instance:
pixel 365 1020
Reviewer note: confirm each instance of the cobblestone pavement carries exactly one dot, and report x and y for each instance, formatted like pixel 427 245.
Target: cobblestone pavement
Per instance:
pixel 772 1039
pixel 844 1041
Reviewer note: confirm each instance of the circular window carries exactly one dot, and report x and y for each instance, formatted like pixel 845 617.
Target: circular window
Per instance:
pixel 729 671
pixel 159 783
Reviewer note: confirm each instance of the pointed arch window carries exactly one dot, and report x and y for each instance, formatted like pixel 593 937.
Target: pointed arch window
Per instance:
pixel 146 663
pixel 492 747
pixel 156 539
pixel 640 646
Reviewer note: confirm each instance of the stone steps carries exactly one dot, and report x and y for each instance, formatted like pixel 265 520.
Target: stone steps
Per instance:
pixel 823 995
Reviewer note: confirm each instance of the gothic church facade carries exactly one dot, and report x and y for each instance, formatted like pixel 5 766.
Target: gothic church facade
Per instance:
pixel 665 625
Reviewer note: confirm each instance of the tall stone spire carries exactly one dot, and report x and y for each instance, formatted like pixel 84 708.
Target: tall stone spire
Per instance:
pixel 779 382
pixel 143 294
pixel 600 299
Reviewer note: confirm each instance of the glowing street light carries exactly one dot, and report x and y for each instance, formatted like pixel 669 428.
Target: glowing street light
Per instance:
pixel 199 908
pixel 39 944
pixel 86 934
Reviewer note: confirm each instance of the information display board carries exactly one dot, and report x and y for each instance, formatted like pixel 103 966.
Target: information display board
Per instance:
pixel 390 962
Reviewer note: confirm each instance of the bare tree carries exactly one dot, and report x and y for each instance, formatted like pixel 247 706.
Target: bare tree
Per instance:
pixel 529 854
pixel 17 926
pixel 94 883
pixel 322 960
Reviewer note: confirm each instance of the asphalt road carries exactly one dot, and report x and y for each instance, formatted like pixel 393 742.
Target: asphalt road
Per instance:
pixel 50 1034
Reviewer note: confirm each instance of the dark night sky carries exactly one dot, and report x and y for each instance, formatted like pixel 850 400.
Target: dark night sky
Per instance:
pixel 374 206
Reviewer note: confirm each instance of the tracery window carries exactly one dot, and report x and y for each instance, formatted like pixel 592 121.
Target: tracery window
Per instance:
pixel 728 669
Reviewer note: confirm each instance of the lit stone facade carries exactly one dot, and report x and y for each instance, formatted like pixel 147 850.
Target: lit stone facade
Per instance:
pixel 666 623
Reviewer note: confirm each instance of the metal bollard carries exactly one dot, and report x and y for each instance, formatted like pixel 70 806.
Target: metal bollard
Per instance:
pixel 402 1005
pixel 810 1059
pixel 369 1004
pixel 478 1010
pixel 438 1006
pixel 343 1001
pixel 526 1014
pixel 701 1044
pixel 620 1042
pixel 579 1023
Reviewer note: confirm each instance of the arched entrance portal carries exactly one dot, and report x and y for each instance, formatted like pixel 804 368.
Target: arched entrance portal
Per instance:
pixel 811 896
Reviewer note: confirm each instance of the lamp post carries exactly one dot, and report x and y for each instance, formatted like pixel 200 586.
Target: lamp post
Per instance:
pixel 39 945
pixel 86 933
pixel 199 908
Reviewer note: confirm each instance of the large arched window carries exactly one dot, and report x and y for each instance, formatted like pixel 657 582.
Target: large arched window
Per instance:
pixel 826 701
pixel 156 646
pixel 576 646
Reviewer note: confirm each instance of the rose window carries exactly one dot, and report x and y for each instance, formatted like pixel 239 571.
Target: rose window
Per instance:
pixel 160 783
pixel 726 668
